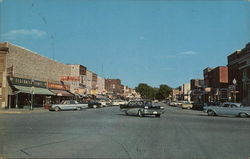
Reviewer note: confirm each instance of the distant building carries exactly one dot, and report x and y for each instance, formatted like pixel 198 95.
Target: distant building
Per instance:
pixel 197 89
pixel 100 85
pixel 176 94
pixel 186 92
pixel 78 86
pixel 197 84
pixel 114 87
pixel 239 69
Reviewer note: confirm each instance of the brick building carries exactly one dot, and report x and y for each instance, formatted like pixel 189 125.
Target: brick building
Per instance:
pixel 24 73
pixel 197 89
pixel 216 84
pixel 239 69
pixel 80 73
pixel 114 86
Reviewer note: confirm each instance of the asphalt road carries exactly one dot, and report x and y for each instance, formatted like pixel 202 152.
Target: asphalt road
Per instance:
pixel 107 133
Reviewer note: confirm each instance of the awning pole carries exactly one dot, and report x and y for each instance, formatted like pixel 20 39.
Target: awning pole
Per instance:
pixel 16 100
pixel 9 101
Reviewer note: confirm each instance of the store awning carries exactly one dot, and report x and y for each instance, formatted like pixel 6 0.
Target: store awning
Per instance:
pixel 61 93
pixel 34 90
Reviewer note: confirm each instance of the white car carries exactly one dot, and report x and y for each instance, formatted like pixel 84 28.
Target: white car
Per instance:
pixel 68 105
pixel 118 102
pixel 104 103
pixel 235 109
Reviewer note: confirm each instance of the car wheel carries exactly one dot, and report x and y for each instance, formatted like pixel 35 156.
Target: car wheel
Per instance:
pixel 211 113
pixel 140 113
pixel 78 108
pixel 57 109
pixel 126 113
pixel 94 106
pixel 188 107
pixel 158 115
pixel 243 115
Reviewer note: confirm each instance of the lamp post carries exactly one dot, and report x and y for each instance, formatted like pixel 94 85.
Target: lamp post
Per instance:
pixel 234 91
pixel 32 94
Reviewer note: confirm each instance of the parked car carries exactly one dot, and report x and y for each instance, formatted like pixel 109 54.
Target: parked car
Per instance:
pixel 186 105
pixel 93 104
pixel 68 105
pixel 117 102
pixel 104 102
pixel 141 108
pixel 228 108
pixel 172 104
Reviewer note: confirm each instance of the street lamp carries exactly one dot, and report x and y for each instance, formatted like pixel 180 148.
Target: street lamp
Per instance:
pixel 234 91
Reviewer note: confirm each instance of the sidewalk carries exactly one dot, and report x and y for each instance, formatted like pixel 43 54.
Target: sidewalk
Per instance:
pixel 21 111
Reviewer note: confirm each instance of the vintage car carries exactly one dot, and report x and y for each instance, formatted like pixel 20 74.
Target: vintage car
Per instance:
pixel 235 109
pixel 104 102
pixel 117 102
pixel 67 105
pixel 93 104
pixel 186 105
pixel 141 108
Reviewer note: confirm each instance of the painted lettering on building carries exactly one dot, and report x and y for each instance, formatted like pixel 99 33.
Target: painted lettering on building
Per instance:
pixel 58 86
pixel 70 78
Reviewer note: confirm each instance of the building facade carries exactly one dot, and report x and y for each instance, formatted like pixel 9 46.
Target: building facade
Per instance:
pixel 100 85
pixel 197 90
pixel 239 72
pixel 216 84
pixel 114 87
pixel 24 74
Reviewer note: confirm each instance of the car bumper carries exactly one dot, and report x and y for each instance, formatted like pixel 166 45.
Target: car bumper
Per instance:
pixel 152 112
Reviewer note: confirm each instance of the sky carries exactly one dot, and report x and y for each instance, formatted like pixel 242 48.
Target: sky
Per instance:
pixel 138 41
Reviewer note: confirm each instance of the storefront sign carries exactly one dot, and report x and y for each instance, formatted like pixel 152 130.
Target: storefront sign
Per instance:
pixel 27 82
pixel 70 78
pixel 208 89
pixel 58 86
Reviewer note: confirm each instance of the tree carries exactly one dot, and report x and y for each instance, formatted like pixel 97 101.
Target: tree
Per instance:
pixel 146 91
pixel 163 92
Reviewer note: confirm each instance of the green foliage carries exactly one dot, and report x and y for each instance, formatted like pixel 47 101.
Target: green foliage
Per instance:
pixel 148 92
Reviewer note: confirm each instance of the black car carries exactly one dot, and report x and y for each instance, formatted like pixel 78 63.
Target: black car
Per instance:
pixel 93 104
pixel 141 108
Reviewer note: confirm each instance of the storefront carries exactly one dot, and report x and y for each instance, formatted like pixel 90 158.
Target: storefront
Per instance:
pixel 27 92
pixel 61 92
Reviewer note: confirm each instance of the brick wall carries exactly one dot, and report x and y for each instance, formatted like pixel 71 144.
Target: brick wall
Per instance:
pixel 28 64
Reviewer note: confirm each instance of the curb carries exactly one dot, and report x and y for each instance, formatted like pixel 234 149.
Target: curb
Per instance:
pixel 22 111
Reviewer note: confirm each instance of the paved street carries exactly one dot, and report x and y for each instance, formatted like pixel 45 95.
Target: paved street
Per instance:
pixel 107 133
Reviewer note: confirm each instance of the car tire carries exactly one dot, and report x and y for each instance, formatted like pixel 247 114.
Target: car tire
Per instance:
pixel 126 113
pixel 140 113
pixel 211 113
pixel 94 106
pixel 243 115
pixel 79 108
pixel 57 109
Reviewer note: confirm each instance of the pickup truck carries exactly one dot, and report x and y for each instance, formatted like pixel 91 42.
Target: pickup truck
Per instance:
pixel 228 108
pixel 141 108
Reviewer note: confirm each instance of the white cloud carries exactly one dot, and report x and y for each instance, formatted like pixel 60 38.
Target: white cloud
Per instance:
pixel 24 32
pixel 188 53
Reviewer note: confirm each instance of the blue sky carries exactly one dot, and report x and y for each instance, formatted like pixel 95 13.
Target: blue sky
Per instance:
pixel 155 42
